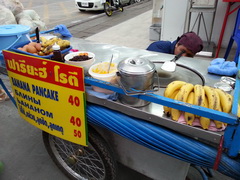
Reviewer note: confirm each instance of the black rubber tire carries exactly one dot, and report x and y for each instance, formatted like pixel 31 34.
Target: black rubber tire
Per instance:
pixel 108 9
pixel 74 160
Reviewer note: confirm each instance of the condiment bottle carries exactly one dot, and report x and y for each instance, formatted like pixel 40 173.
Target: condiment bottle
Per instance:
pixel 57 55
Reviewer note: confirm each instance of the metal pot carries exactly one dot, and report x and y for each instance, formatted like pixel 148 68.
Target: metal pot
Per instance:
pixel 136 77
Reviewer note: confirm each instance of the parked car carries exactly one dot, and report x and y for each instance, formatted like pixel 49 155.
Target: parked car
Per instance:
pixel 95 5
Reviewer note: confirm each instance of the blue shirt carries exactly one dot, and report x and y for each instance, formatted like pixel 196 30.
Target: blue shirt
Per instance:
pixel 163 46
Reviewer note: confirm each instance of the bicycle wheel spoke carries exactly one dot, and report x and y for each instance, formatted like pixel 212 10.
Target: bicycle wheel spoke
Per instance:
pixel 88 165
pixel 80 162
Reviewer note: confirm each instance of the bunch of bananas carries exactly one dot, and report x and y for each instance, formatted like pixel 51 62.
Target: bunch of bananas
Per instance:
pixel 204 96
pixel 47 44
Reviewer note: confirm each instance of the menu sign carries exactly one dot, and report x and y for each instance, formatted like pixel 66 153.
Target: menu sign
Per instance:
pixel 49 95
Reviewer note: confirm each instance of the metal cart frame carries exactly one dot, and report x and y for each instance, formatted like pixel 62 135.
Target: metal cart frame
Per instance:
pixel 153 163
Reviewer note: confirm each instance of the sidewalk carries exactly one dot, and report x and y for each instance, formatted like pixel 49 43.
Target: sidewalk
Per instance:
pixel 132 33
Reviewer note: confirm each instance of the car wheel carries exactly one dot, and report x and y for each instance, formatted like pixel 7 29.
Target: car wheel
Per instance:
pixel 95 162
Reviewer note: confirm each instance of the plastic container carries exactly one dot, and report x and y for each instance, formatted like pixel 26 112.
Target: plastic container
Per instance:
pixel 110 77
pixel 223 86
pixel 15 49
pixel 228 80
pixel 85 64
pixel 10 35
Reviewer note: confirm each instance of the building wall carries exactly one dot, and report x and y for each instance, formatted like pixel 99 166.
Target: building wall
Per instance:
pixel 173 19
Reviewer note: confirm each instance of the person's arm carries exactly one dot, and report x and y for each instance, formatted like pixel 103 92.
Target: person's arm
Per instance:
pixel 160 46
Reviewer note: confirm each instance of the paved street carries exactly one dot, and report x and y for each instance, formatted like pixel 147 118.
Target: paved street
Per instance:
pixel 56 12
pixel 82 24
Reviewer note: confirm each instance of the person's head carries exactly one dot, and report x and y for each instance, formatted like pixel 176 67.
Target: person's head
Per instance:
pixel 190 42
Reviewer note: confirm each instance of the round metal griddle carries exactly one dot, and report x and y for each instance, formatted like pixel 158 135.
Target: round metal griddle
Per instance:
pixel 182 73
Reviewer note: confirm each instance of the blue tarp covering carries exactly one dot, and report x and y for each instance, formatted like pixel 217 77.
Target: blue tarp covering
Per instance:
pixel 162 140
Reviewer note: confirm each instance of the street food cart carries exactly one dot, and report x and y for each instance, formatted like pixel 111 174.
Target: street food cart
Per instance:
pixel 144 138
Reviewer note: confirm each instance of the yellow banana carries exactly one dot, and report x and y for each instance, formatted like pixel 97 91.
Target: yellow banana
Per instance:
pixel 47 50
pixel 218 123
pixel 218 102
pixel 199 95
pixel 167 109
pixel 63 44
pixel 214 102
pixel 50 42
pixel 238 112
pixel 225 100
pixel 185 89
pixel 213 98
pixel 189 117
pixel 40 53
pixel 46 43
pixel 230 96
pixel 230 99
pixel 172 87
pixel 175 113
pixel 43 39
pixel 184 92
pixel 205 122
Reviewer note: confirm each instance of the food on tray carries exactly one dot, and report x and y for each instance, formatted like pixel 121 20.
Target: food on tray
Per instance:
pixel 100 71
pixel 199 95
pixel 81 57
pixel 103 67
pixel 32 47
pixel 44 48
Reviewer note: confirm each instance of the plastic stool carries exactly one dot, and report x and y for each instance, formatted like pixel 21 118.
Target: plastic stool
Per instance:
pixel 235 36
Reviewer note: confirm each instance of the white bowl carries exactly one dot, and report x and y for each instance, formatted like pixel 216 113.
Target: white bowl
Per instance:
pixel 85 64
pixel 111 77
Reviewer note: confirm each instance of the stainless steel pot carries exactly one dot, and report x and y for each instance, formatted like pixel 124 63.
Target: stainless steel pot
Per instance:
pixel 136 77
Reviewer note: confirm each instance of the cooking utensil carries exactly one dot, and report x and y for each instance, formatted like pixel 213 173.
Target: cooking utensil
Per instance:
pixel 170 66
pixel 37 35
pixel 110 64
pixel 136 76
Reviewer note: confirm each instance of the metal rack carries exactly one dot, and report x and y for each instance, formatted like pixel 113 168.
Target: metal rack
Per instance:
pixel 200 8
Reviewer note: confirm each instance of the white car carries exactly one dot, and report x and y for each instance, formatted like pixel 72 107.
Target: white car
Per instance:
pixel 94 5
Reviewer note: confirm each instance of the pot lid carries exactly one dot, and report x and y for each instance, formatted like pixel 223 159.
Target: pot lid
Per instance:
pixel 136 66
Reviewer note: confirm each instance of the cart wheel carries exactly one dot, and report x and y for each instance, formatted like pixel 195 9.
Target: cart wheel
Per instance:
pixel 108 8
pixel 95 162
